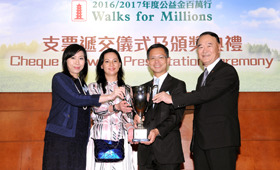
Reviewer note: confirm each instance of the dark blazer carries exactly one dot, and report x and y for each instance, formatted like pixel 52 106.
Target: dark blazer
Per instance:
pixel 65 103
pixel 167 147
pixel 215 123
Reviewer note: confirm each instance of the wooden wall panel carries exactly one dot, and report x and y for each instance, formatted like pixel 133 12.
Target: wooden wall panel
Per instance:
pixel 259 155
pixel 32 155
pixel 22 125
pixel 10 154
pixel 259 101
pixel 259 124
pixel 186 133
pixel 23 120
pixel 15 126
pixel 25 101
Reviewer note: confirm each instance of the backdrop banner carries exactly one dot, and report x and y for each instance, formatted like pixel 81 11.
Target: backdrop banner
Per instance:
pixel 34 34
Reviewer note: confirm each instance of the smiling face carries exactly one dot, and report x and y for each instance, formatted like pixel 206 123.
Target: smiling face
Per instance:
pixel 76 63
pixel 111 64
pixel 208 49
pixel 158 61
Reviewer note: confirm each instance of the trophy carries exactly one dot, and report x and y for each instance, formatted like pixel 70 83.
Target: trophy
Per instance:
pixel 140 103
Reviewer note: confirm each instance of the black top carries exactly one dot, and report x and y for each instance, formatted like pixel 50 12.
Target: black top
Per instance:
pixel 82 131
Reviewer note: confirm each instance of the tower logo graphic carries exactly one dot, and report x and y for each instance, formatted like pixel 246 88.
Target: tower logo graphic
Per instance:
pixel 79 10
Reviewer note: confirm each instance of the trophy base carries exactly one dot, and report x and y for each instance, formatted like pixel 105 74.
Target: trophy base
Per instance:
pixel 140 135
pixel 140 140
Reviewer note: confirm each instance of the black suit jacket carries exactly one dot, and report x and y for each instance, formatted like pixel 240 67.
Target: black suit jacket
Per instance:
pixel 167 147
pixel 215 123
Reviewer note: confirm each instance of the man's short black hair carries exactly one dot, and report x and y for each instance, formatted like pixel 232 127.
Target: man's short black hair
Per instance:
pixel 158 46
pixel 209 33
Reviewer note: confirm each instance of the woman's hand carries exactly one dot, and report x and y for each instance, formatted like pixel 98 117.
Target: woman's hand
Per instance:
pixel 118 92
pixel 137 119
pixel 125 107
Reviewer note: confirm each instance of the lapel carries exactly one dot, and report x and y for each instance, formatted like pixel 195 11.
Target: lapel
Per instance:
pixel 150 103
pixel 215 69
pixel 165 86
pixel 210 75
pixel 198 85
pixel 166 83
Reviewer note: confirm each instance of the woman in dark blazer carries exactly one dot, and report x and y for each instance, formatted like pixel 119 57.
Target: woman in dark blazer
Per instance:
pixel 68 123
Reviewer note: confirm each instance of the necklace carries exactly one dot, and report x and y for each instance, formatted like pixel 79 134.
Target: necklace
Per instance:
pixel 85 108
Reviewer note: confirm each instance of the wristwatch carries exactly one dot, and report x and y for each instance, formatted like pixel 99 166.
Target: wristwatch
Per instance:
pixel 115 109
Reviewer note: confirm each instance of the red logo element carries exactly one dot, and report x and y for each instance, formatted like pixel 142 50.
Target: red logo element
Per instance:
pixel 79 10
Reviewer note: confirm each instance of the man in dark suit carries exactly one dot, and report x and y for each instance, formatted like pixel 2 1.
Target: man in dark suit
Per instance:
pixel 216 132
pixel 164 150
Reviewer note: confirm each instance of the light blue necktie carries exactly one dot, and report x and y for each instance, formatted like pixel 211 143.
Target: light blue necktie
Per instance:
pixel 204 77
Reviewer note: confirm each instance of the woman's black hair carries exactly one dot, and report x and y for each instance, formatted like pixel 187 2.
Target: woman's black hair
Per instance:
pixel 70 51
pixel 100 74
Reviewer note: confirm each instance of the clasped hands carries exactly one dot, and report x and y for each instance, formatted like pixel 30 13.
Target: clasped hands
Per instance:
pixel 125 107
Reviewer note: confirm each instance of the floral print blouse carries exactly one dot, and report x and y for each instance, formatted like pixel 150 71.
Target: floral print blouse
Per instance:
pixel 110 125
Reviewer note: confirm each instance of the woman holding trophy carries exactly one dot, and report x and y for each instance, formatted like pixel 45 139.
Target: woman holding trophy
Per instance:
pixel 112 130
pixel 67 129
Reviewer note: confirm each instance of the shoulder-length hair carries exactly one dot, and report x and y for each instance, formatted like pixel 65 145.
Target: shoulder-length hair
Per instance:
pixel 70 51
pixel 100 74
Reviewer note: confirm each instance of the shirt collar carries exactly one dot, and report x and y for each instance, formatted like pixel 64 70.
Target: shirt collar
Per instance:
pixel 211 66
pixel 161 79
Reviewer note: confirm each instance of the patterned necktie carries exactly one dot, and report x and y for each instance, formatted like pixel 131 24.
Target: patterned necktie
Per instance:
pixel 155 87
pixel 204 77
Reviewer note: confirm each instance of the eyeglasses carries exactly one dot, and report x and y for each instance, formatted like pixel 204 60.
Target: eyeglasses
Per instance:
pixel 160 57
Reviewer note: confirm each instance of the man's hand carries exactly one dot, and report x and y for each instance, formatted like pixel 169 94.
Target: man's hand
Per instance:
pixel 163 97
pixel 152 136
